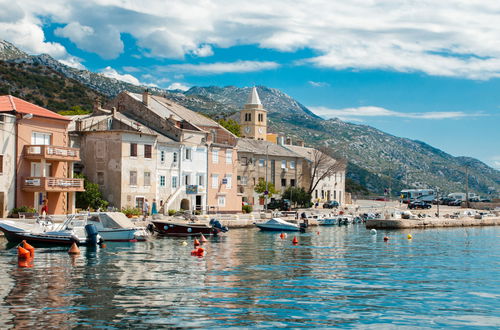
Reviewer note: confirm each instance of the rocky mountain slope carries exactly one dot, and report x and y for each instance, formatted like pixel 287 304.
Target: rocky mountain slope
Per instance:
pixel 377 160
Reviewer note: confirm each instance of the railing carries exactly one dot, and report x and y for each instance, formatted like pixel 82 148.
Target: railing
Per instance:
pixel 51 152
pixel 52 184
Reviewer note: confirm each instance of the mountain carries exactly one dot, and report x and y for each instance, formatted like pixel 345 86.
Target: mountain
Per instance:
pixel 377 160
pixel 8 51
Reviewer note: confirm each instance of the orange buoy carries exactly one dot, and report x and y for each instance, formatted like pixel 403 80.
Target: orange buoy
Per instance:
pixel 22 253
pixel 196 242
pixel 200 252
pixel 386 238
pixel 318 232
pixel 30 248
pixel 203 239
pixel 295 240
pixel 193 252
pixel 282 235
pixel 74 249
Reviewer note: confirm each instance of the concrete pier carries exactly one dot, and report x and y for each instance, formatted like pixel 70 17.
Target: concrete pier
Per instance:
pixel 432 223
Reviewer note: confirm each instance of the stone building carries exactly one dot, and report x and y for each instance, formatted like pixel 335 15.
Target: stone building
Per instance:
pixel 43 160
pixel 253 118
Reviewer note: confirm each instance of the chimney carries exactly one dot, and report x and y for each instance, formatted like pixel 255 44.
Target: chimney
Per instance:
pixel 96 107
pixel 113 111
pixel 78 125
pixel 145 97
pixel 300 143
pixel 288 141
pixel 281 139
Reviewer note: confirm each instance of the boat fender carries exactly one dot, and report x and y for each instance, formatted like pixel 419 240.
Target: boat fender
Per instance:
pixel 189 230
pixel 373 232
pixel 92 233
pixel 151 228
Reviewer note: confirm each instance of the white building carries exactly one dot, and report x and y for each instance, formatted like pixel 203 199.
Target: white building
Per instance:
pixel 7 163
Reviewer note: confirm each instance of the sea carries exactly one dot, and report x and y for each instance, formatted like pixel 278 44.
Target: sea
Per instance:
pixel 339 276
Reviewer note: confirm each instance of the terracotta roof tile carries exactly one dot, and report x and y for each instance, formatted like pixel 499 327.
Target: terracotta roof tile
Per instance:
pixel 11 103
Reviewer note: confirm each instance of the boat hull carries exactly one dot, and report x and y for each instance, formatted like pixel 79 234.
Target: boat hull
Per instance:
pixel 265 227
pixel 35 239
pixel 122 235
pixel 181 229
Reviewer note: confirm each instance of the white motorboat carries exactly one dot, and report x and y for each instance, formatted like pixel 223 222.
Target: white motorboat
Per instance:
pixel 116 227
pixel 277 224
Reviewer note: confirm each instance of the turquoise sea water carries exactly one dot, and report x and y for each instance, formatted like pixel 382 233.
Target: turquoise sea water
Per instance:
pixel 335 277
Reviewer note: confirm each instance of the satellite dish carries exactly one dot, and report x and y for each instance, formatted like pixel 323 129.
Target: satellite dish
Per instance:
pixel 28 116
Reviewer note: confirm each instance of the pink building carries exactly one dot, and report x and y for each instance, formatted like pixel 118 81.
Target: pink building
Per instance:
pixel 44 163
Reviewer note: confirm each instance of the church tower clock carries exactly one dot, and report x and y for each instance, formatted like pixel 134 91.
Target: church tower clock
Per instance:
pixel 253 118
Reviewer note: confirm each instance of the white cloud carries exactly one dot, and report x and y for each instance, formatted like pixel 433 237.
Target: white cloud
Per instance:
pixel 220 67
pixel 112 73
pixel 179 86
pixel 357 114
pixel 318 83
pixel 454 38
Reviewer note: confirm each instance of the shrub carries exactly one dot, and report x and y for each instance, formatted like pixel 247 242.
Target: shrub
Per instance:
pixel 23 209
pixel 171 212
pixel 247 209
pixel 131 211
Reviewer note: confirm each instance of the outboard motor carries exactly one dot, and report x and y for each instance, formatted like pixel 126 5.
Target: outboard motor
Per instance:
pixel 92 234
pixel 216 224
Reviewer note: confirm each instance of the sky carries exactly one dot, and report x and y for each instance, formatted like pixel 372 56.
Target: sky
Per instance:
pixel 422 69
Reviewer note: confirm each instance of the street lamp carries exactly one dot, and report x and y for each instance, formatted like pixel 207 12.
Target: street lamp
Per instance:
pixel 266 193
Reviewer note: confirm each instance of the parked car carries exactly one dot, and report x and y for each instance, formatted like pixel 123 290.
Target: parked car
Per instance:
pixel 446 200
pixel 456 202
pixel 279 204
pixel 419 205
pixel 331 204
pixel 485 200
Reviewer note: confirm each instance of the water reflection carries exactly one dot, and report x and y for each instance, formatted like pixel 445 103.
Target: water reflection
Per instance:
pixel 342 276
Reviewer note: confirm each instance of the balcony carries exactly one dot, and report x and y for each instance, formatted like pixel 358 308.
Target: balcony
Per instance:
pixel 51 153
pixel 49 184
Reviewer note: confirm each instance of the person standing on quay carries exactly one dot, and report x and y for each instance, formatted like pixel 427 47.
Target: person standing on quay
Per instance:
pixel 45 208
pixel 145 209
pixel 154 209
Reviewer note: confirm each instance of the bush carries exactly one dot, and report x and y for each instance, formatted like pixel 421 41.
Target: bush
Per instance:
pixel 171 212
pixel 91 197
pixel 22 209
pixel 247 209
pixel 131 211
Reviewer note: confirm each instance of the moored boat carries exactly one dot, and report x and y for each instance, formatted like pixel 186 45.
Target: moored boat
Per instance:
pixel 172 228
pixel 116 227
pixel 277 224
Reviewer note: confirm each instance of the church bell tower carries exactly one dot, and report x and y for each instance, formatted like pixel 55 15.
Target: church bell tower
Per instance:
pixel 253 118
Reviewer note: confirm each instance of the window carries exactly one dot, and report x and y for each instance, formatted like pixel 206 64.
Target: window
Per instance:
pixel 215 156
pixel 221 201
pixel 292 182
pixel 292 164
pixel 283 182
pixel 162 156
pixel 283 164
pixel 229 179
pixel 215 180
pixel 147 178
pixel 244 161
pixel 147 150
pixel 133 150
pixel 187 179
pixel 162 181
pixel 261 162
pixel 175 157
pixel 174 182
pixel 261 117
pixel 187 154
pixel 100 178
pixel 40 138
pixel 201 180
pixel 248 117
pixel 133 178
pixel 244 180
pixel 229 156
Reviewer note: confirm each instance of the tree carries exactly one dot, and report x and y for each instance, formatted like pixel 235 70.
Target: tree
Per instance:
pixel 297 196
pixel 323 165
pixel 231 125
pixel 91 197
pixel 260 188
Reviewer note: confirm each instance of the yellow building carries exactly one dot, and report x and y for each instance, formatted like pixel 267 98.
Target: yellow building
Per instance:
pixel 253 118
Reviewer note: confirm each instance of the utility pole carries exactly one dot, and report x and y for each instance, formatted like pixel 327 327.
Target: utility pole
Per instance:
pixel 267 186
pixel 467 185
pixel 437 198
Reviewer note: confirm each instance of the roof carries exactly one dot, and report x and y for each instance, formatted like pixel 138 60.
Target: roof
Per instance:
pixel 305 152
pixel 165 108
pixel 261 147
pixel 253 98
pixel 10 103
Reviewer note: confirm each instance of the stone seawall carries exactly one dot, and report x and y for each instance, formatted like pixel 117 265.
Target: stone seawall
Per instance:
pixel 431 223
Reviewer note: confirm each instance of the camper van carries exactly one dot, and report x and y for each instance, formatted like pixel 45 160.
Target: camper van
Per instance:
pixel 461 196
pixel 410 195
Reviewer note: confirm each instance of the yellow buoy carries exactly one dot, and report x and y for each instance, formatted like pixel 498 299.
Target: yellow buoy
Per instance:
pixel 409 236
pixel 184 243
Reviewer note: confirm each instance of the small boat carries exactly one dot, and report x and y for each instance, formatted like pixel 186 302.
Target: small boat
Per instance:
pixel 277 224
pixel 72 230
pixel 172 228
pixel 328 221
pixel 116 227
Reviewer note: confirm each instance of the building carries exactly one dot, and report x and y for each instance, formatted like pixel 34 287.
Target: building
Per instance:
pixel 327 174
pixel 199 137
pixel 253 118
pixel 43 159
pixel 267 161
pixel 7 163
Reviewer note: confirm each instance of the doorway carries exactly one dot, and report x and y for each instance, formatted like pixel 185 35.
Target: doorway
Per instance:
pixel 185 204
pixel 198 203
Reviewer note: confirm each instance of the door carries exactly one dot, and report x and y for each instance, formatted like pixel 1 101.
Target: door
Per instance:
pixel 39 198
pixel 198 203
pixel 139 202
pixel 36 169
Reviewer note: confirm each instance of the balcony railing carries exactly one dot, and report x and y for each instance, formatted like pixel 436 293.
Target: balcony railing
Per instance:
pixel 52 184
pixel 51 153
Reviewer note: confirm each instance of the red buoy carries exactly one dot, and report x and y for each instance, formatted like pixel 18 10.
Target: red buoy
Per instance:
pixel 295 240
pixel 203 239
pixel 282 235
pixel 29 248
pixel 386 238
pixel 74 249
pixel 22 253
pixel 196 242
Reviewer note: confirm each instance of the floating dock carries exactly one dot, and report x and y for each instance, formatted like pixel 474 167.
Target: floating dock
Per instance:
pixel 431 223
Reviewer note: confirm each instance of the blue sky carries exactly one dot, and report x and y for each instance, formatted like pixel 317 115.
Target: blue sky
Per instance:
pixel 425 70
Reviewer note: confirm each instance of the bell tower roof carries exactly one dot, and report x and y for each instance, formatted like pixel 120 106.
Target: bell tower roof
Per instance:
pixel 253 98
